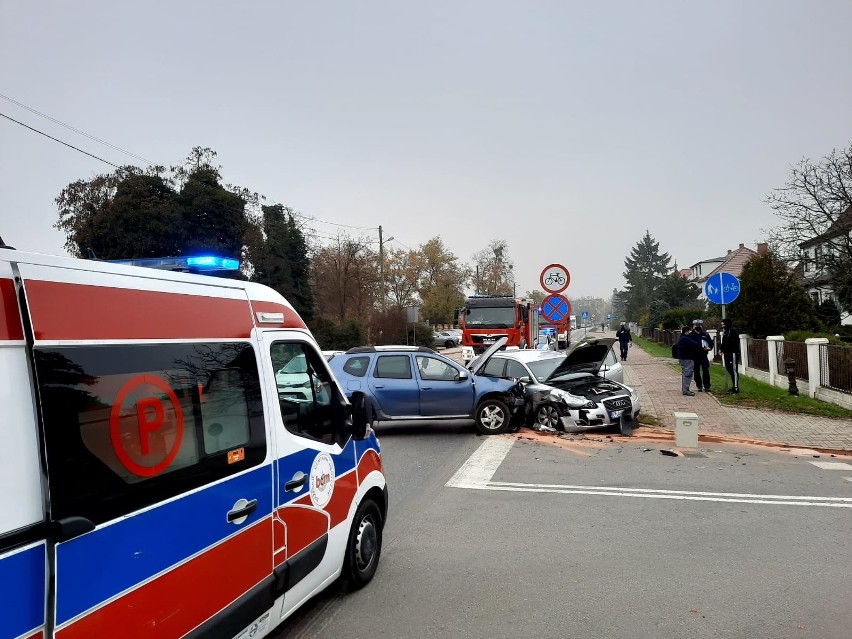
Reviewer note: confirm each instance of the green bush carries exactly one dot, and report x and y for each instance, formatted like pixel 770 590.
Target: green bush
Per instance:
pixel 676 318
pixel 337 337
pixel 801 336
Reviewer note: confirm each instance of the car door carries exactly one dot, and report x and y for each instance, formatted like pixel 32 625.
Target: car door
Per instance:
pixel 314 464
pixel 23 547
pixel 393 385
pixel 612 368
pixel 446 390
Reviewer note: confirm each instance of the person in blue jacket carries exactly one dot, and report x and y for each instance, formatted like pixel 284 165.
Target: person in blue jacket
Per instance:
pixel 687 353
pixel 702 365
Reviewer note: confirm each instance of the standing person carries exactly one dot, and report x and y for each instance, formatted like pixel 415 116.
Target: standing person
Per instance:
pixel 730 347
pixel 624 340
pixel 686 351
pixel 702 364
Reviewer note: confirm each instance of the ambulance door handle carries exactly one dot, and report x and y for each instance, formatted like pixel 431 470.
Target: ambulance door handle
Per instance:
pixel 299 480
pixel 242 512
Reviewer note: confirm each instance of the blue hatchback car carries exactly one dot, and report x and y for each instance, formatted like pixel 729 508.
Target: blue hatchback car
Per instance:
pixel 418 383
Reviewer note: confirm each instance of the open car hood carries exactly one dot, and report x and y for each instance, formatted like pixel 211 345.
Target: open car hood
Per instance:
pixel 584 356
pixel 482 360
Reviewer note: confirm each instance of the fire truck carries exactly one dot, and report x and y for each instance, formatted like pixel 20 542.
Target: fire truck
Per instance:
pixel 486 318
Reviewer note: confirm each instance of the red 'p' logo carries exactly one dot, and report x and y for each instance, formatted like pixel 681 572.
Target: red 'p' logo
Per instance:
pixel 145 450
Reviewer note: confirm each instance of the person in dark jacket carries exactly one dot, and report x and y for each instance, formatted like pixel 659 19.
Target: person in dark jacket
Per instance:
pixel 624 340
pixel 687 353
pixel 729 345
pixel 702 364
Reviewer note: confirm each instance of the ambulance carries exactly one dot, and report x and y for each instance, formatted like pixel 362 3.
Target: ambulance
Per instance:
pixel 176 459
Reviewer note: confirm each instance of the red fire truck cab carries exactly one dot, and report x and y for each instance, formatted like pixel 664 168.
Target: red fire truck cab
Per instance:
pixel 486 318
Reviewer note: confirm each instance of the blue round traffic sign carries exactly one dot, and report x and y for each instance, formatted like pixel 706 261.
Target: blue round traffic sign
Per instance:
pixel 722 288
pixel 555 308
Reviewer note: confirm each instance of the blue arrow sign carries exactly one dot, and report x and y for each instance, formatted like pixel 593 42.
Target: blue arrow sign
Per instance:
pixel 722 288
pixel 585 314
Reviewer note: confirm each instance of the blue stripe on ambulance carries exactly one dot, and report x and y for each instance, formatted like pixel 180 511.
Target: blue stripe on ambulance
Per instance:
pixel 177 530
pixel 22 602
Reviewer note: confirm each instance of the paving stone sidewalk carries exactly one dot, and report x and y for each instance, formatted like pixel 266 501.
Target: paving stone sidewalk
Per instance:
pixel 658 386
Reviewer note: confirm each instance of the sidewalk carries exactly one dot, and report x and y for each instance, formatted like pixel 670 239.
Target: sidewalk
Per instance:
pixel 658 387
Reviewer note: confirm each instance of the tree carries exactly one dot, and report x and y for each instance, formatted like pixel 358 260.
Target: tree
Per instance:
pixel 214 218
pixel 536 296
pixel 676 291
pixel 646 268
pixel 278 252
pixel 136 213
pixel 493 270
pixel 442 281
pixel 345 279
pixel 771 299
pixel 402 277
pixel 829 313
pixel 816 203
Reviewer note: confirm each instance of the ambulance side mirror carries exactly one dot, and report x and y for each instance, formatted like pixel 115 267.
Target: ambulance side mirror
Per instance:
pixel 362 416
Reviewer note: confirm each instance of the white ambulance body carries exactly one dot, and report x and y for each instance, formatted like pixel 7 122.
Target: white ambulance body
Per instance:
pixel 176 458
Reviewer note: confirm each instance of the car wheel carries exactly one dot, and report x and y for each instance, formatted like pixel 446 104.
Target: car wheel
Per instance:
pixel 492 417
pixel 548 415
pixel 364 546
pixel 449 343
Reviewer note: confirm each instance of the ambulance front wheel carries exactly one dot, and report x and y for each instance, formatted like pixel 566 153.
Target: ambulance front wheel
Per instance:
pixel 364 546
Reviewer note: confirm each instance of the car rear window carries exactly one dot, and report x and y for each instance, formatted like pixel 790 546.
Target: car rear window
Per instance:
pixel 356 366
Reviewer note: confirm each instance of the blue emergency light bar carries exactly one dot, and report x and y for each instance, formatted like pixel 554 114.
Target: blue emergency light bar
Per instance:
pixel 196 264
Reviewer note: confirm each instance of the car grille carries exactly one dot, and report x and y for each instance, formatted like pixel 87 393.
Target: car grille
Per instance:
pixel 619 403
pixel 486 339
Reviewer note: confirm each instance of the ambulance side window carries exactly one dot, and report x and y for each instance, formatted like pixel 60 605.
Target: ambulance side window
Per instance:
pixel 127 426
pixel 310 404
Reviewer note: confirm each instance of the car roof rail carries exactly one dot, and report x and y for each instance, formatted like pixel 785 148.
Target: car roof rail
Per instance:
pixel 382 349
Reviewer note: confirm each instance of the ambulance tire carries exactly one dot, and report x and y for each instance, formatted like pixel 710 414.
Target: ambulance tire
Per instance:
pixel 364 546
pixel 493 417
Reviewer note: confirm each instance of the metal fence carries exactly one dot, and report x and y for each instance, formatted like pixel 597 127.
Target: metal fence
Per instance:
pixel 835 367
pixel 758 354
pixel 798 352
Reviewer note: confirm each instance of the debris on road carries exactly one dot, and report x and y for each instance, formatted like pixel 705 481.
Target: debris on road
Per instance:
pixel 669 453
pixel 644 449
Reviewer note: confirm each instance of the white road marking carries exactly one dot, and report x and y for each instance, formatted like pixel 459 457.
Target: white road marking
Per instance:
pixel 477 471
pixel 832 465
pixel 480 467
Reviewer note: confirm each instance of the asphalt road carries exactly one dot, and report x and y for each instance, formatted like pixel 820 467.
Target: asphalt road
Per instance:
pixel 547 537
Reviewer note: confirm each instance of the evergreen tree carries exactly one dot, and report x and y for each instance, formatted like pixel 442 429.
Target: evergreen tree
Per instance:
pixel 646 268
pixel 676 291
pixel 771 300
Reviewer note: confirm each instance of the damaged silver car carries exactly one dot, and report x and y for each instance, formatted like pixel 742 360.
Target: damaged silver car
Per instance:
pixel 570 391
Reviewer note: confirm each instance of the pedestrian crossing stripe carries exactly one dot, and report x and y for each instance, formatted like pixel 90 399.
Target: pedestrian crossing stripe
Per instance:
pixel 832 465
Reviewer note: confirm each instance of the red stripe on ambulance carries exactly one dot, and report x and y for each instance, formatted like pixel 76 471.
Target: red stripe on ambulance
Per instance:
pixel 10 321
pixel 157 610
pixel 61 311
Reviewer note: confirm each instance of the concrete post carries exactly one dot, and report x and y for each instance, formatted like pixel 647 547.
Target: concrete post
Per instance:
pixel 812 344
pixel 743 352
pixel 771 345
pixel 686 430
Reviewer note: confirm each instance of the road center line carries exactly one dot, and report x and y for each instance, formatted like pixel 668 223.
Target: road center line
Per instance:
pixel 623 493
pixel 620 489
pixel 480 467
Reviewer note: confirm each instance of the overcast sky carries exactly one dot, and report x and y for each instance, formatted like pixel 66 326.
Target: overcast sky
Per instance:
pixel 565 128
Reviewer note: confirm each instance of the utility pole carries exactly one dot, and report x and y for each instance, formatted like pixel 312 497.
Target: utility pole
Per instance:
pixel 382 241
pixel 382 266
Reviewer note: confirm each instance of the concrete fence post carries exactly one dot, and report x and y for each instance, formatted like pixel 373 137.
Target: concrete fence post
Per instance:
pixel 814 368
pixel 771 346
pixel 743 352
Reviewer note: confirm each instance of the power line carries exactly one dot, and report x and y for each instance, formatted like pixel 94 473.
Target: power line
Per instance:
pixel 348 226
pixel 70 146
pixel 76 130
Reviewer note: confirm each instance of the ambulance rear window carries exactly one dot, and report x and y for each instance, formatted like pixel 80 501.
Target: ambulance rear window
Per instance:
pixel 127 426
